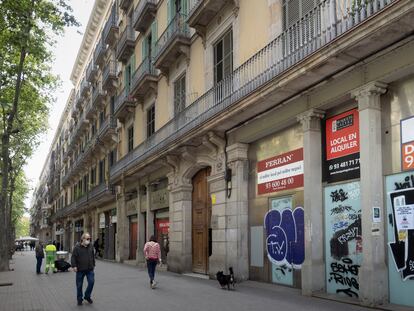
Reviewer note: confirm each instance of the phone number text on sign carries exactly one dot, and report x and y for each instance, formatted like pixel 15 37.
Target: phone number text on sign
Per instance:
pixel 282 172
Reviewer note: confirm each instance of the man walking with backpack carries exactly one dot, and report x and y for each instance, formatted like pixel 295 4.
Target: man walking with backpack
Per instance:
pixel 83 263
pixel 39 257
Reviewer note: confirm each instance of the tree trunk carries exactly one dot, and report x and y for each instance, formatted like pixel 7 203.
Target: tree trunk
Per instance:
pixel 4 219
pixel 5 154
pixel 10 211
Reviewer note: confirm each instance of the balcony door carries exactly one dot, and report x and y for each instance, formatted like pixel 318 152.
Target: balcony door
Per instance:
pixel 201 213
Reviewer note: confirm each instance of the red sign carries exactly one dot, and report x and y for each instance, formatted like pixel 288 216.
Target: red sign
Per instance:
pixel 407 154
pixel 342 135
pixel 163 226
pixel 282 172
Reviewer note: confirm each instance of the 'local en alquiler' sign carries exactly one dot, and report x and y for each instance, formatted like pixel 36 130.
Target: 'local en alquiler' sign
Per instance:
pixel 282 172
pixel 342 146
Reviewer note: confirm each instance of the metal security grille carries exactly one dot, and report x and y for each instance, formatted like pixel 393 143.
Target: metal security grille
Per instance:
pixel 294 10
pixel 179 95
pixel 298 24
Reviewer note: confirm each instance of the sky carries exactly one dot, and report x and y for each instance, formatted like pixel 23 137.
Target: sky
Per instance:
pixel 65 52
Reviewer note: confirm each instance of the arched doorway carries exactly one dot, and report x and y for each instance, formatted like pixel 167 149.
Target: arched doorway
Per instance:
pixel 201 214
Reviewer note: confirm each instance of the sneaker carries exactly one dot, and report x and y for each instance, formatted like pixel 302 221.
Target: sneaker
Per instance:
pixel 79 302
pixel 89 300
pixel 153 285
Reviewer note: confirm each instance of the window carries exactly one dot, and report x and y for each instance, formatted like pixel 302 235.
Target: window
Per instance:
pixel 85 184
pixel 94 128
pixel 127 77
pixel 179 95
pixel 101 118
pixel 130 138
pixel 150 121
pixel 223 57
pixel 112 158
pixel 101 171
pixel 93 176
pixel 112 107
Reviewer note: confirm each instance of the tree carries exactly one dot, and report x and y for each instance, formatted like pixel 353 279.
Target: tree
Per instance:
pixel 27 30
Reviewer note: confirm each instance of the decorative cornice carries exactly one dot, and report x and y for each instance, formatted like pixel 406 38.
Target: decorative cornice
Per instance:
pixel 92 31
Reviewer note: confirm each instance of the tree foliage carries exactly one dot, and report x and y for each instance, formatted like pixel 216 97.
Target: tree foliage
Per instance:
pixel 28 29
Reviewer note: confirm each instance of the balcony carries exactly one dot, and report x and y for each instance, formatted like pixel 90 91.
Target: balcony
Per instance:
pixel 202 12
pixel 99 53
pixel 174 42
pixel 77 103
pixel 144 79
pixel 101 193
pixel 74 110
pixel 124 4
pixel 85 88
pixel 111 29
pixel 109 77
pixel 298 48
pixel 97 195
pixel 144 14
pixel 82 124
pixel 126 44
pixel 107 131
pixel 90 110
pixel 98 96
pixel 91 72
pixel 124 104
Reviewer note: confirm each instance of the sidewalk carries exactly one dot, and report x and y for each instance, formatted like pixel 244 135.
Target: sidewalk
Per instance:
pixel 123 287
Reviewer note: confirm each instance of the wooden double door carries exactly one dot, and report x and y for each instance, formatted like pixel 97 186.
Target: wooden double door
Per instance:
pixel 201 214
pixel 133 238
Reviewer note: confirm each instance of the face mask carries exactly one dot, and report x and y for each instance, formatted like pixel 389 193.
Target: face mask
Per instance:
pixel 86 242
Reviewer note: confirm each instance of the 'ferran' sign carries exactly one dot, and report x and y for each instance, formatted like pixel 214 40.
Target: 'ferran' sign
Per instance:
pixel 282 172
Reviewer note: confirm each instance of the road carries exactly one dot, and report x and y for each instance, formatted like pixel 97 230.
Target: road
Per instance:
pixel 123 287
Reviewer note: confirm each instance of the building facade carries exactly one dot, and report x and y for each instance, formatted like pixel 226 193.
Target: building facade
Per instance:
pixel 274 137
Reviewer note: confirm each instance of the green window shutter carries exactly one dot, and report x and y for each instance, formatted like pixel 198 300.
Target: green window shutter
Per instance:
pixel 133 62
pixel 154 36
pixel 170 10
pixel 169 16
pixel 144 48
pixel 184 7
pixel 126 76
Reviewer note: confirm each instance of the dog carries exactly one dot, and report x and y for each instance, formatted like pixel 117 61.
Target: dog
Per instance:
pixel 226 279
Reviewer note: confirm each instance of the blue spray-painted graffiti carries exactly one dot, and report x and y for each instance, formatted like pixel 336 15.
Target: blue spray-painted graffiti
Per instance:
pixel 285 237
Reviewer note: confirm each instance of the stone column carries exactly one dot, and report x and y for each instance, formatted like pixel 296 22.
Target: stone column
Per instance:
pixel 150 214
pixel 313 269
pixel 122 229
pixel 96 225
pixel 373 275
pixel 237 227
pixel 180 255
pixel 140 228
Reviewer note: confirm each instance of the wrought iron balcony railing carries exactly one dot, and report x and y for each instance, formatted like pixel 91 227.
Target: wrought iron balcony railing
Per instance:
pixel 98 95
pixel 86 199
pixel 110 31
pixel 99 53
pixel 109 77
pixel 91 71
pixel 123 102
pixel 143 76
pixel 84 87
pixel 176 34
pixel 300 40
pixel 126 44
